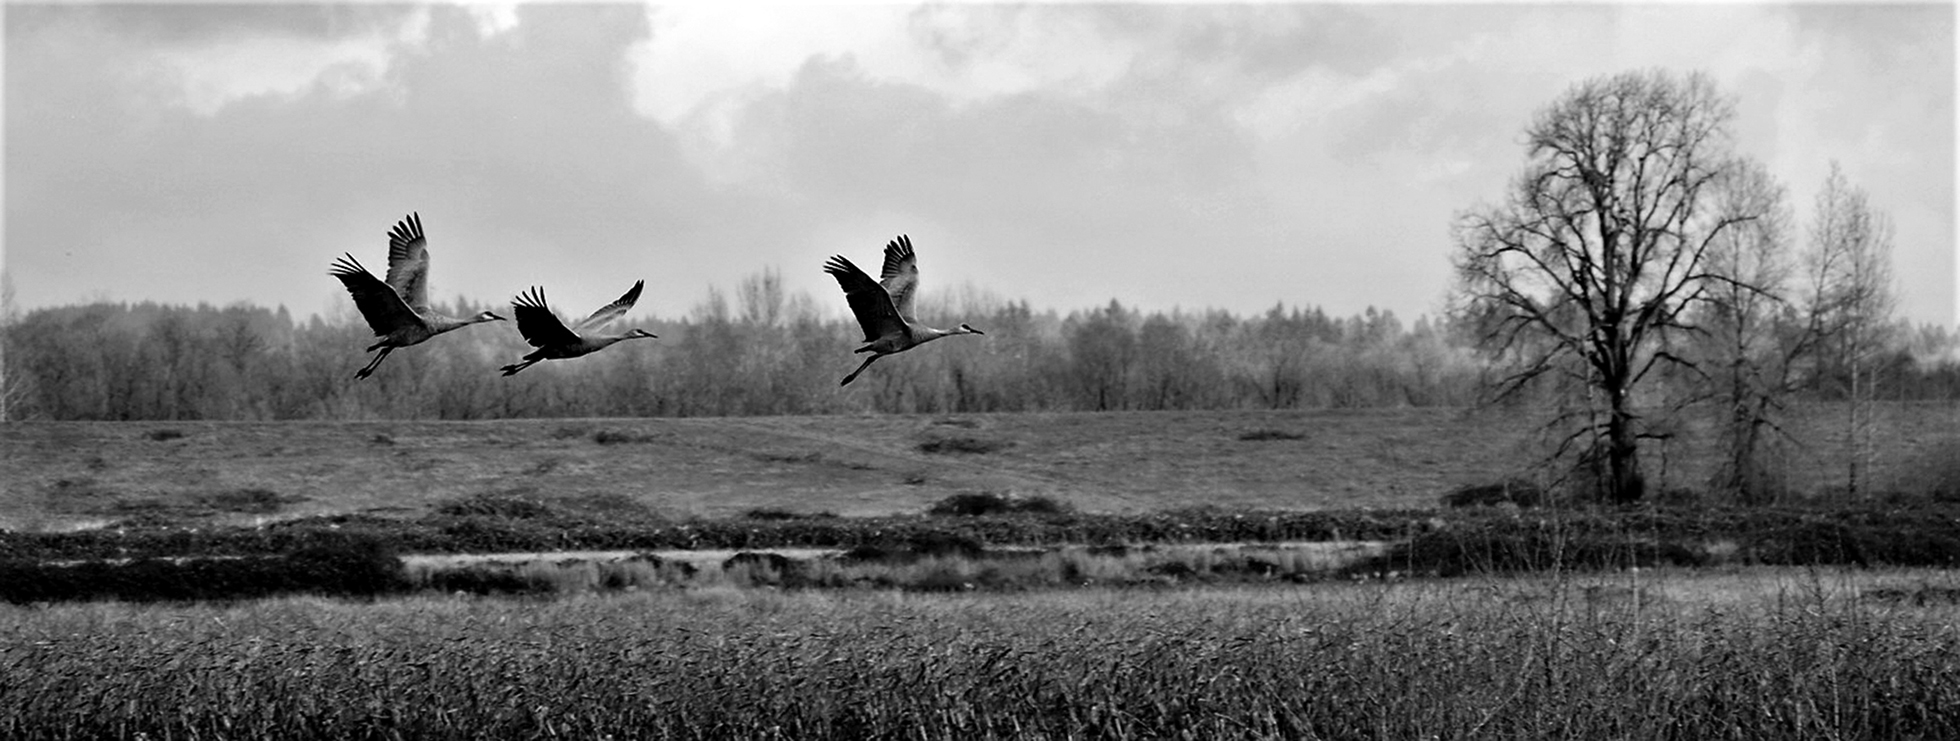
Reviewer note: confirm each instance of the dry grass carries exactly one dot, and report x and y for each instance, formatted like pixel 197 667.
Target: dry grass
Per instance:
pixel 58 474
pixel 1005 570
pixel 1784 654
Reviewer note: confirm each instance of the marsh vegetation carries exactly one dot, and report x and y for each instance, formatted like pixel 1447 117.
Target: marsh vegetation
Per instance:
pixel 1783 653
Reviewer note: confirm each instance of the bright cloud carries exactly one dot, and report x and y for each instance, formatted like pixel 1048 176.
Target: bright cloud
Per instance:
pixel 705 63
pixel 492 19
pixel 217 73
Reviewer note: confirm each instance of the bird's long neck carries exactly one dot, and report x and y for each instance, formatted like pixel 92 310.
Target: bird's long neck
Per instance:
pixel 606 340
pixel 440 324
pixel 922 334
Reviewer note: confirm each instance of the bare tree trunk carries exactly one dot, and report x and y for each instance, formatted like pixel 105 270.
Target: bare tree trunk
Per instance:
pixel 1853 430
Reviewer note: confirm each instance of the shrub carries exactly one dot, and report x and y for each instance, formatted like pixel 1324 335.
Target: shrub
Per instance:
pixel 1517 547
pixel 346 565
pixel 1934 471
pixel 916 546
pixel 987 503
pixel 962 444
pixel 615 437
pixel 1814 541
pixel 164 434
pixel 355 566
pixel 484 580
pixel 254 500
pixel 1512 491
pixel 1173 569
pixel 496 505
pixel 777 514
pixel 1270 434
pixel 810 457
pixel 776 562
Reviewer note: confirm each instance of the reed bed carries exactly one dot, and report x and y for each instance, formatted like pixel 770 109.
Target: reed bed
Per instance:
pixel 1677 655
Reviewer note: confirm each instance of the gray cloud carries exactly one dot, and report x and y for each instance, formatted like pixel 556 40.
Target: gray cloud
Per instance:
pixel 1229 156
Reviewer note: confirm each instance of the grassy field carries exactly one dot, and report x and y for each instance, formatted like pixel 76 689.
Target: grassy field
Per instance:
pixel 1205 638
pixel 1745 654
pixel 80 474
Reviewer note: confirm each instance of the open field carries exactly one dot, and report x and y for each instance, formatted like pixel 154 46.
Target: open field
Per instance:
pixel 1161 621
pixel 1757 653
pixel 79 474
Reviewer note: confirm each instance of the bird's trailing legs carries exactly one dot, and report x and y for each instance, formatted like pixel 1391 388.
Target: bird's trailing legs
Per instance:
pixel 369 370
pixel 854 374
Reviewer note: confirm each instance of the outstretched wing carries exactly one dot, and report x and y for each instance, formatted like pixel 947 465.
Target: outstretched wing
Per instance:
pixel 611 311
pixel 535 321
pixel 901 274
pixel 408 261
pixel 380 305
pixel 869 301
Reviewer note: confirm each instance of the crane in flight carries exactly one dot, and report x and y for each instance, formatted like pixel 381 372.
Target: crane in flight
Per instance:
pixel 398 309
pixel 555 341
pixel 884 307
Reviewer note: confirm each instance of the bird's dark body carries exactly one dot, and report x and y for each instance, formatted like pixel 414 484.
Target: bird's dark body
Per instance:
pixel 883 308
pixel 397 309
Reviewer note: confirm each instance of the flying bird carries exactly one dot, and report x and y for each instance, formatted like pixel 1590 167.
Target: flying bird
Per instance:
pixel 884 308
pixel 555 341
pixel 398 309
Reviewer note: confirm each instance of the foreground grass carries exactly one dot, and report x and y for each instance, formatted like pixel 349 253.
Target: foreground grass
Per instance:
pixel 1783 654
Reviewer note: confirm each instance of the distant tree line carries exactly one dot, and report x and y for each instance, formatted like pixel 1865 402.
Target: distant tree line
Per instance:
pixel 763 352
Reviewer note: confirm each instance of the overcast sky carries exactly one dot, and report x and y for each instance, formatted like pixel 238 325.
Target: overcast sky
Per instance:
pixel 1193 156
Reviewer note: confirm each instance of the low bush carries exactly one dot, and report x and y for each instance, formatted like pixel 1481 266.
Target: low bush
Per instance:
pixel 749 568
pixel 777 514
pixel 615 437
pixel 1260 435
pixel 1819 541
pixel 1933 472
pixel 962 444
pixel 1512 491
pixel 256 501
pixel 1523 546
pixel 973 504
pixel 346 566
pixel 916 546
pixel 482 580
pixel 496 505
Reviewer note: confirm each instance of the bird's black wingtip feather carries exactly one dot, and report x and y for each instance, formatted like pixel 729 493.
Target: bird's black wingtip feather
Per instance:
pixel 346 265
pixel 530 297
pixel 408 229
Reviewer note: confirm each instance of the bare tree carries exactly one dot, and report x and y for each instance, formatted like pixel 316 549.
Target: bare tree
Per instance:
pixel 1749 339
pixel 762 298
pixel 1590 269
pixel 1851 302
pixel 13 383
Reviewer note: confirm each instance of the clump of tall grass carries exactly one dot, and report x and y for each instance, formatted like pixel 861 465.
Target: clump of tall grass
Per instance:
pixel 349 566
pixel 568 576
pixel 963 444
pixel 928 566
pixel 1518 492
pixel 981 503
pixel 1345 661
